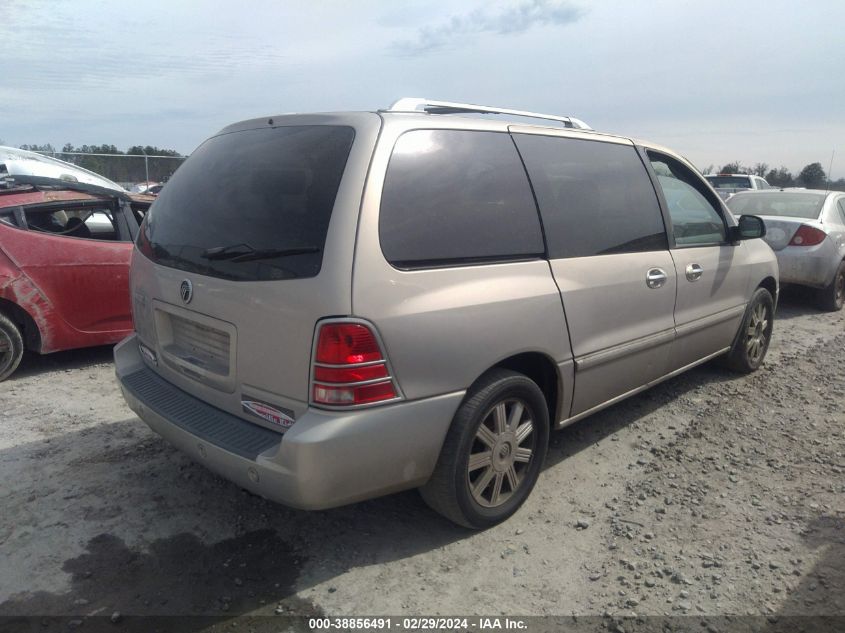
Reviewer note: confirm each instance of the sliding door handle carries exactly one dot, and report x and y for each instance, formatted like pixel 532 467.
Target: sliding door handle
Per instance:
pixel 655 278
pixel 694 272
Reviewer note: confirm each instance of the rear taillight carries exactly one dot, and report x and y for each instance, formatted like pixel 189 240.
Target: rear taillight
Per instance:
pixel 350 367
pixel 807 236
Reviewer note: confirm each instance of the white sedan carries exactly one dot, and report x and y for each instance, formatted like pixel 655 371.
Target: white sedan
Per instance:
pixel 806 229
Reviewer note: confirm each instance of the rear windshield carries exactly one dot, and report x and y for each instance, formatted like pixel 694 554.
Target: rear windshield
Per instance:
pixel 793 205
pixel 250 205
pixel 729 182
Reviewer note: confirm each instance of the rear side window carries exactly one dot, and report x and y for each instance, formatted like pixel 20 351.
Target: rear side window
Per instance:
pixel 8 216
pixel 595 198
pixel 87 222
pixel 250 205
pixel 457 197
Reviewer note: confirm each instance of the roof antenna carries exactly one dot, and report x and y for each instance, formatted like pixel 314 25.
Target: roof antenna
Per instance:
pixel 829 169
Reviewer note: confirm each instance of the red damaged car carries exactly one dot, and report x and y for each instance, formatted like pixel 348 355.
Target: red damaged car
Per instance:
pixel 64 263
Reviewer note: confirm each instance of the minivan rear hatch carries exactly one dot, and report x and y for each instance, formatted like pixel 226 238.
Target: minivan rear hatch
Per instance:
pixel 247 247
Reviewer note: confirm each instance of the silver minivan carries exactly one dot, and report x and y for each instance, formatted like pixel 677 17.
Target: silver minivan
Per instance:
pixel 332 307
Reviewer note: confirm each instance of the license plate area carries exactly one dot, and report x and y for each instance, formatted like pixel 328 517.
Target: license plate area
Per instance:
pixel 196 345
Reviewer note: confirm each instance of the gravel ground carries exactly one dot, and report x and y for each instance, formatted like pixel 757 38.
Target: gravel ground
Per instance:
pixel 710 494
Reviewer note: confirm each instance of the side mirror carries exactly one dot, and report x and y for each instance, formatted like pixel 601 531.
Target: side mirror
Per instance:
pixel 750 227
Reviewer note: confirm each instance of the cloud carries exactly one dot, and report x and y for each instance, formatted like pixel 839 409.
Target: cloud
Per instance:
pixel 70 46
pixel 459 29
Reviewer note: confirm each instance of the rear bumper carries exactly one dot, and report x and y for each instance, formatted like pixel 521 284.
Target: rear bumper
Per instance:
pixel 808 266
pixel 325 459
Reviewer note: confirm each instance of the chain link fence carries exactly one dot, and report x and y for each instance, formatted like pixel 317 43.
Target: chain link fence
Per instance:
pixel 125 169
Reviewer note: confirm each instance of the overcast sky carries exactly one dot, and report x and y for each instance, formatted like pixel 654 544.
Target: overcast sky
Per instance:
pixel 715 81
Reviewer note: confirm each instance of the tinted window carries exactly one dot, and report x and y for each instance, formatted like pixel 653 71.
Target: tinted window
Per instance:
pixel 595 198
pixel 454 196
pixel 250 205
pixel 782 203
pixel 729 182
pixel 842 209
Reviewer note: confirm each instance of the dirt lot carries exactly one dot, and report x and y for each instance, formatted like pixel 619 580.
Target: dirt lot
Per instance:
pixel 710 494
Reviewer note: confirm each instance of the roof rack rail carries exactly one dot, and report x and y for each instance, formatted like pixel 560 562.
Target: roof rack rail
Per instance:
pixel 417 104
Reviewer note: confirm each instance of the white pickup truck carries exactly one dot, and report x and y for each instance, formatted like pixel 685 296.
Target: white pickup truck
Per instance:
pixel 728 184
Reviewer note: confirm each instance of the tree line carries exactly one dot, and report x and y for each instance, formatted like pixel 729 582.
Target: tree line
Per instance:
pixel 812 176
pixel 129 169
pixel 132 169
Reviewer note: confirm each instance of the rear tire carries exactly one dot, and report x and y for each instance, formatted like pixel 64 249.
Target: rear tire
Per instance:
pixel 755 333
pixel 493 452
pixel 11 346
pixel 833 297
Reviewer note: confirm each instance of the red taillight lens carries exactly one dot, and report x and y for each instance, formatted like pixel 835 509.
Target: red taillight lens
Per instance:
pixel 350 367
pixel 807 236
pixel 347 343
pixel 350 374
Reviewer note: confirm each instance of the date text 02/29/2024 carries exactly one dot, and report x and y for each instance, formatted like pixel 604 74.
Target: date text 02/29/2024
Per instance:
pixel 417 624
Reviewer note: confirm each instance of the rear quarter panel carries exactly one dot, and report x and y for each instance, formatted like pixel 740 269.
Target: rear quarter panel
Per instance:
pixel 39 300
pixel 8 270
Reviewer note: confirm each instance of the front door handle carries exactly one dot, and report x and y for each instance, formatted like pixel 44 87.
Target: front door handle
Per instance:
pixel 694 272
pixel 655 278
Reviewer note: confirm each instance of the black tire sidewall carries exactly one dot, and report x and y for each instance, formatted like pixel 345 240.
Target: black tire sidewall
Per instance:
pixel 13 332
pixel 470 417
pixel 834 304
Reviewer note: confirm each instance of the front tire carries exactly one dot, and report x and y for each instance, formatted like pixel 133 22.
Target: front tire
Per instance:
pixel 833 297
pixel 493 452
pixel 755 334
pixel 11 346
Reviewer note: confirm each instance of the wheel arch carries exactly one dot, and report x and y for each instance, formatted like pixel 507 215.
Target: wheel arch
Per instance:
pixel 770 284
pixel 544 372
pixel 24 320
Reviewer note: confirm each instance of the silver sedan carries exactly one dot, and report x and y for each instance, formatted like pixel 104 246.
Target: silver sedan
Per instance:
pixel 806 229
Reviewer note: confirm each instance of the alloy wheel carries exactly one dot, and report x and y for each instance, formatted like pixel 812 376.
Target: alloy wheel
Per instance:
pixel 7 351
pixel 501 453
pixel 757 333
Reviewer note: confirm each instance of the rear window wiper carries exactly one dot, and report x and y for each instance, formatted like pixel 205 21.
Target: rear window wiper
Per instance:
pixel 245 253
pixel 226 252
